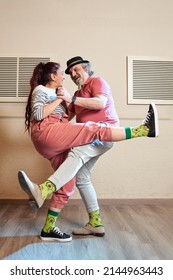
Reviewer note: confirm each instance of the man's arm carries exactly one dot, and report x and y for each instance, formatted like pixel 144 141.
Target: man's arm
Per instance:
pixel 94 103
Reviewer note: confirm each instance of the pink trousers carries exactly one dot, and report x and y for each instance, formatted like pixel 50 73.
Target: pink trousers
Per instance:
pixel 53 137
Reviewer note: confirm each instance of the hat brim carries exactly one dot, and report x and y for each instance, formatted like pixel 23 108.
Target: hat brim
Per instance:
pixel 73 64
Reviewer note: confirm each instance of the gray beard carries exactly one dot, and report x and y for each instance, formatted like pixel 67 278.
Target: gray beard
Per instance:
pixel 79 83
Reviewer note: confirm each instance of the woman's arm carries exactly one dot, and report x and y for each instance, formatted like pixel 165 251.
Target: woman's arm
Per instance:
pixel 41 108
pixel 49 108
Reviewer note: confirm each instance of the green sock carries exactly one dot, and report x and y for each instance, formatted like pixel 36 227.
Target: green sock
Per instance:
pixel 47 188
pixel 94 219
pixel 139 131
pixel 50 220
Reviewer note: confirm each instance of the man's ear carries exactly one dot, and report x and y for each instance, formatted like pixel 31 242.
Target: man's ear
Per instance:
pixel 86 69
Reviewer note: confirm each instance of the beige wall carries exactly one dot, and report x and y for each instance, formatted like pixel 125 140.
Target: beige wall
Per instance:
pixel 105 32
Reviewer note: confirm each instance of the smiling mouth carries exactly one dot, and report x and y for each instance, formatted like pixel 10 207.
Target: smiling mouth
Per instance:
pixel 75 79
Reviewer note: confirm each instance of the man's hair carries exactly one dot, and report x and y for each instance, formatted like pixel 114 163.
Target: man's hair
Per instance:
pixel 88 65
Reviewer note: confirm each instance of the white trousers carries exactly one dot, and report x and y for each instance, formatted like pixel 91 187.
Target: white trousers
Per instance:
pixel 80 163
pixel 83 177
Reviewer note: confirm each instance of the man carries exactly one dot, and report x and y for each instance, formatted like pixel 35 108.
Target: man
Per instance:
pixel 91 102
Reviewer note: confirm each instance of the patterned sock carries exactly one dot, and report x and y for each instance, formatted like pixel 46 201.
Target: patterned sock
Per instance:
pixel 47 188
pixel 50 220
pixel 94 219
pixel 139 131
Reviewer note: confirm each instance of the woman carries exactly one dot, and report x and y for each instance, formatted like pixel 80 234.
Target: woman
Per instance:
pixel 52 135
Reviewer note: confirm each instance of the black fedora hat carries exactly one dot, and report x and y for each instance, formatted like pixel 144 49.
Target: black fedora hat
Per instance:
pixel 74 61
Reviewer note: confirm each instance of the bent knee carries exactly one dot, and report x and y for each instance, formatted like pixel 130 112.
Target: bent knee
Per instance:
pixel 83 182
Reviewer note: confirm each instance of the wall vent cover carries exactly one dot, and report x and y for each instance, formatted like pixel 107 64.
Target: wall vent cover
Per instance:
pixel 150 79
pixel 15 74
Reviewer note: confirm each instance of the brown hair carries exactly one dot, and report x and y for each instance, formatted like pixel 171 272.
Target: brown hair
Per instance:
pixel 41 76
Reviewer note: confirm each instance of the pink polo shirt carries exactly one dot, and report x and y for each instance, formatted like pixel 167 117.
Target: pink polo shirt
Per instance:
pixel 92 87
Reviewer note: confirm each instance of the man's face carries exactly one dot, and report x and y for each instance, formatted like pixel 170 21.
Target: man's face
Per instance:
pixel 78 74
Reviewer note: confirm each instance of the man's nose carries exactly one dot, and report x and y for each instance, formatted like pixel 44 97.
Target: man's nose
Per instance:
pixel 72 74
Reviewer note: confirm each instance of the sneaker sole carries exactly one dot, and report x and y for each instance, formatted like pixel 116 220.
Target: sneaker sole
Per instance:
pixel 91 233
pixel 56 239
pixel 24 183
pixel 156 123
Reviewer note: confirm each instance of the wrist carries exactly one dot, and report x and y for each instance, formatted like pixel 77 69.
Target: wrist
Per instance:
pixel 73 100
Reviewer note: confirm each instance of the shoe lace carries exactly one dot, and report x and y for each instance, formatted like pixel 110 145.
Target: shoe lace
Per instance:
pixel 57 230
pixel 147 118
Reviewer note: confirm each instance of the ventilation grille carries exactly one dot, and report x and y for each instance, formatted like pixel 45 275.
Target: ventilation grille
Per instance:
pixel 15 75
pixel 150 80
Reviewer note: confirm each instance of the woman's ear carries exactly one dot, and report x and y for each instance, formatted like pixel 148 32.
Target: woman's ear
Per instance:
pixel 52 76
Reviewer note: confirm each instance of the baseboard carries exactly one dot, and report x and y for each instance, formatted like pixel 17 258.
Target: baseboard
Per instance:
pixel 128 201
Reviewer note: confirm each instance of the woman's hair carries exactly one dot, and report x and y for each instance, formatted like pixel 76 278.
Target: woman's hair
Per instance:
pixel 41 76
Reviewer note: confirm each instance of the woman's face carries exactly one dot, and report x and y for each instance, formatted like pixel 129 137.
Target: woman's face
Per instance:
pixel 59 78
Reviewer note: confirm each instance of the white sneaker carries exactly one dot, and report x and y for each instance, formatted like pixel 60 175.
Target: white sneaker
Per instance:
pixel 31 189
pixel 89 230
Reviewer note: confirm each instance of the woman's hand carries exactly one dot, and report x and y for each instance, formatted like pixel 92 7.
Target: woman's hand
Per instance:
pixel 63 94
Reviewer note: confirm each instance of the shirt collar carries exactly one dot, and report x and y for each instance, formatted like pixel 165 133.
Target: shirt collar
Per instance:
pixel 87 81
